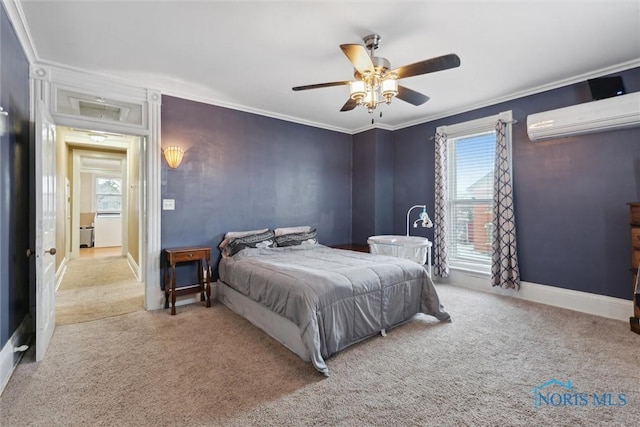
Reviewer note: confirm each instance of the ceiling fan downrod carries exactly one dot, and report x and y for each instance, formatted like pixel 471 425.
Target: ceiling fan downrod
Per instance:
pixel 371 42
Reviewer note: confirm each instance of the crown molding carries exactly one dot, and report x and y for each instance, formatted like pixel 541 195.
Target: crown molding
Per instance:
pixel 533 91
pixel 211 101
pixel 16 17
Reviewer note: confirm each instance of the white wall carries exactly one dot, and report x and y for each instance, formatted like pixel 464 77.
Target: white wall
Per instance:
pixel 86 192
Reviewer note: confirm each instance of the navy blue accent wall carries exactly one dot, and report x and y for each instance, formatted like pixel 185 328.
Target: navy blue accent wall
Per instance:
pixel 14 181
pixel 413 177
pixel 570 193
pixel 243 171
pixel 372 184
pixel 364 200
pixel 384 182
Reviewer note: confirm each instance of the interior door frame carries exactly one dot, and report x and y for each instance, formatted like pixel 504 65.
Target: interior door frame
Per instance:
pixel 77 155
pixel 56 77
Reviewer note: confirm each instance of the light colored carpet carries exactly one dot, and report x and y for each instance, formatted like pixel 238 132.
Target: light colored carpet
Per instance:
pixel 209 367
pixel 96 288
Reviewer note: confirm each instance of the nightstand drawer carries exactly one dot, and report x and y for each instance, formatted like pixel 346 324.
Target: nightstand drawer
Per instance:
pixel 188 256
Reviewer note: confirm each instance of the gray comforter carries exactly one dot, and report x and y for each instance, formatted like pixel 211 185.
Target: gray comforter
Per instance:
pixel 336 297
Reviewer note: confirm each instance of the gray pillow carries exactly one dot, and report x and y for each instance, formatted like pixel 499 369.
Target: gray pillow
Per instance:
pixel 295 239
pixel 260 240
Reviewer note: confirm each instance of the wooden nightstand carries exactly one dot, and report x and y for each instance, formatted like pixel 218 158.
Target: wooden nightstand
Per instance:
pixel 173 256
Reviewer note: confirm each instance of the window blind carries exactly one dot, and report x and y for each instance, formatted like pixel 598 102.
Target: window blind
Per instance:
pixel 470 176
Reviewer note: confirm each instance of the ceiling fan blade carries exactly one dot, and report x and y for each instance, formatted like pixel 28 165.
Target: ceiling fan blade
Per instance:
pixel 411 96
pixel 349 105
pixel 432 65
pixel 320 85
pixel 359 57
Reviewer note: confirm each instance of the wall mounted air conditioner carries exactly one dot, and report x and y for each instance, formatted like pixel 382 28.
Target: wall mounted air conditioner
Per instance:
pixel 619 112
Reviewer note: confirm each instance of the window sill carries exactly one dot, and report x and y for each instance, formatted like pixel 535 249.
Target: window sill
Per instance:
pixel 108 214
pixel 471 271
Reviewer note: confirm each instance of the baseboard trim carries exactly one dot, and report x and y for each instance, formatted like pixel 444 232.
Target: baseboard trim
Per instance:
pixel 584 302
pixel 8 357
pixel 184 299
pixel 60 272
pixel 134 266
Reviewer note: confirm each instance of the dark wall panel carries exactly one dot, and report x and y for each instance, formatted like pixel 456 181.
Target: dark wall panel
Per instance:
pixel 570 193
pixel 384 182
pixel 413 177
pixel 364 183
pixel 14 181
pixel 372 184
pixel 243 171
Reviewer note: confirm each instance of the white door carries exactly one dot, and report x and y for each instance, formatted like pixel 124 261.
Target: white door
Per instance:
pixel 45 192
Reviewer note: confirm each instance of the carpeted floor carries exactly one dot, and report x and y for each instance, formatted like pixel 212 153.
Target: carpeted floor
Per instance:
pixel 209 367
pixel 96 288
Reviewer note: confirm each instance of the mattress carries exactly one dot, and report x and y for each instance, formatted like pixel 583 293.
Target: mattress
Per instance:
pixel 334 297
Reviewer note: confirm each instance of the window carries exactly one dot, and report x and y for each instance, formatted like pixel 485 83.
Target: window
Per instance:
pixel 470 168
pixel 108 195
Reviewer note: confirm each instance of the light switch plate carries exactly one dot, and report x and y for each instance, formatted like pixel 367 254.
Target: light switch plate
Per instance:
pixel 168 204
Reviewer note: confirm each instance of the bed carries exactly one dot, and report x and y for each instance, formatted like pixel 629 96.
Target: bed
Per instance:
pixel 317 300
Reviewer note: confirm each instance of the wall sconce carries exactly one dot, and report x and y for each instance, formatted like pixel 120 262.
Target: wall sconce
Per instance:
pixel 173 155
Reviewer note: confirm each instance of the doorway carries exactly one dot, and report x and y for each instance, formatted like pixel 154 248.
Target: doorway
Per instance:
pixel 100 269
pixel 80 99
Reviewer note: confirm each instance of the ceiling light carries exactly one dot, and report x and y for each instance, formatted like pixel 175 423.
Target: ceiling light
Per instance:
pixel 389 89
pixel 357 90
pixel 374 90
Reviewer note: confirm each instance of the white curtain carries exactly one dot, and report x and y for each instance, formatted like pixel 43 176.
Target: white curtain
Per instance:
pixel 504 263
pixel 441 225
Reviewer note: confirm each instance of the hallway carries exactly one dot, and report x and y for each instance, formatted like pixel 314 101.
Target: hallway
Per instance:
pixel 94 252
pixel 97 285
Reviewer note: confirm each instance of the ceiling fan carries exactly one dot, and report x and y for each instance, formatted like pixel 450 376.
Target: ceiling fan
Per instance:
pixel 375 82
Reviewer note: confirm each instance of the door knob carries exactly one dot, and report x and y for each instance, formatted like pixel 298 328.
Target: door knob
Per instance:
pixel 52 251
pixel 28 253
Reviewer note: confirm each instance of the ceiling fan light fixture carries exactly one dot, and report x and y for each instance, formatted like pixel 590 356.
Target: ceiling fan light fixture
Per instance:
pixel 372 99
pixel 389 89
pixel 357 90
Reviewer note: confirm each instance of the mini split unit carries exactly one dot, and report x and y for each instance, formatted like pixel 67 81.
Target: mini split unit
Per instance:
pixel 619 112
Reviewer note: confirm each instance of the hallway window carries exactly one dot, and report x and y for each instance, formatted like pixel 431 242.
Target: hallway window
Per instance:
pixel 108 195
